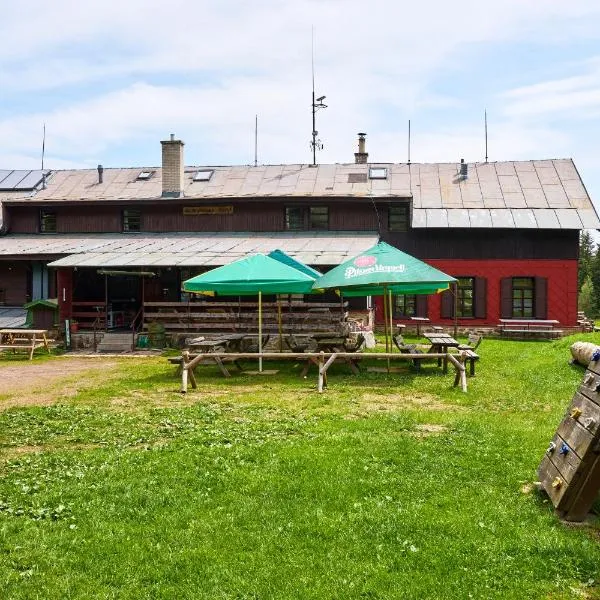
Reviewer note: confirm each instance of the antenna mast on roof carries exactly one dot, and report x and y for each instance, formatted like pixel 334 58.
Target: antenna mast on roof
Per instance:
pixel 316 105
pixel 486 135
pixel 43 145
pixel 255 140
pixel 409 141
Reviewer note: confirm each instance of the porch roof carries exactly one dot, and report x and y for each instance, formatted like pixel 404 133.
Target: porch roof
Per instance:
pixel 189 249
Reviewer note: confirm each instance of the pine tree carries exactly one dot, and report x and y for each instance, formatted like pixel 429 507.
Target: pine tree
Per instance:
pixel 585 301
pixel 587 254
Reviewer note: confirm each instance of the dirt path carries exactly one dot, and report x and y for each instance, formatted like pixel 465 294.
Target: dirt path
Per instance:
pixel 30 383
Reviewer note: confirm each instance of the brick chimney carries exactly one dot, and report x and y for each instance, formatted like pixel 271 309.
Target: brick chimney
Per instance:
pixel 360 157
pixel 172 168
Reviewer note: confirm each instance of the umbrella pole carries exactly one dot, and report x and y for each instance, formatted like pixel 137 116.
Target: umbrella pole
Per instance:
pixel 279 323
pixel 385 318
pixel 391 321
pixel 386 311
pixel 260 331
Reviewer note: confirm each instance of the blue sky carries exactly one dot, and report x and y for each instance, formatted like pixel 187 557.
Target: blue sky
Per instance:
pixel 111 80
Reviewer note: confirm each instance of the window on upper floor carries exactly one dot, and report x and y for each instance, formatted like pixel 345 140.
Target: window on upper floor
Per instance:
pixel 302 218
pixel 132 220
pixel 398 217
pixel 47 221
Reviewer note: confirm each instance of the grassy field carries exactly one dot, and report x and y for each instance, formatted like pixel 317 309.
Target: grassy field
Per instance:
pixel 114 485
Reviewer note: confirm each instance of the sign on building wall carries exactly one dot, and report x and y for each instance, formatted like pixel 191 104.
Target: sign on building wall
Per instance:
pixel 207 210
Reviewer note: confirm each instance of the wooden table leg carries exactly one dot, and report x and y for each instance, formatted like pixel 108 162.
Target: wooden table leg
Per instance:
pixel 353 366
pixel 32 347
pixel 46 343
pixel 221 366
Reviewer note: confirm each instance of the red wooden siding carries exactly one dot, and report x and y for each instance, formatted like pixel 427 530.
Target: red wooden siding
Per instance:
pixel 561 276
pixel 14 278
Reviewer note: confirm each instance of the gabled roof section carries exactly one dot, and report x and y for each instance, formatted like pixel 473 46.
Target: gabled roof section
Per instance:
pixel 546 194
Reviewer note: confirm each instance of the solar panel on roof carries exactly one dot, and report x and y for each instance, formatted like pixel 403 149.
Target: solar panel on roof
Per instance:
pixel 12 181
pixel 21 179
pixel 32 180
pixel 3 175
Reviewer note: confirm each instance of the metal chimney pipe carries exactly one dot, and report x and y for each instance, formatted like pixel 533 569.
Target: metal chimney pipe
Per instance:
pixel 361 156
pixel 100 174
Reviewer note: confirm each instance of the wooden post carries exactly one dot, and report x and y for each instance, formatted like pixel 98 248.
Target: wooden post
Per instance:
pixel 455 291
pixel 184 371
pixel 321 374
pixel 461 373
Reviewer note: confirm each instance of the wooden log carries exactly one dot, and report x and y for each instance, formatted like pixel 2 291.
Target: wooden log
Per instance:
pixel 321 374
pixel 460 371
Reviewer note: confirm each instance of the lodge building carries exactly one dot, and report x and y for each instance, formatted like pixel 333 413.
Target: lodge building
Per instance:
pixel 116 238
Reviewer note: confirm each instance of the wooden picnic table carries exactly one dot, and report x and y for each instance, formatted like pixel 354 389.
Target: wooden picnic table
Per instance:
pixel 529 328
pixel 323 360
pixel 440 342
pixel 23 339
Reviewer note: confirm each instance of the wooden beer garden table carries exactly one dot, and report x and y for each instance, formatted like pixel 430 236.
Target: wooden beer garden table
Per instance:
pixel 23 339
pixel 440 342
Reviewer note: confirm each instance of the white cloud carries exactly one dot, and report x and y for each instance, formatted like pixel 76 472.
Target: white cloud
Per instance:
pixel 576 96
pixel 204 69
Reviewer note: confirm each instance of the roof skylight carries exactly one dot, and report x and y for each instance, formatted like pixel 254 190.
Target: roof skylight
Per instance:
pixel 377 173
pixel 203 175
pixel 144 175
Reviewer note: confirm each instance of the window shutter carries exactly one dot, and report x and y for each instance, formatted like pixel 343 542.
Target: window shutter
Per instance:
pixel 447 310
pixel 421 305
pixel 480 297
pixel 506 298
pixel 541 298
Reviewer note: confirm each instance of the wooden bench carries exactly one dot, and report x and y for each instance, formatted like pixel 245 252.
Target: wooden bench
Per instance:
pixel 413 349
pixel 529 328
pixel 470 358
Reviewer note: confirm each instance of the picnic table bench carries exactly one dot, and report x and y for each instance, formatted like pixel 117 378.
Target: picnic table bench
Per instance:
pixel 529 328
pixel 23 339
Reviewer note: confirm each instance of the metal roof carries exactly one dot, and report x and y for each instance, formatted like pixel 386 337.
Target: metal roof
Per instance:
pixel 195 249
pixel 11 317
pixel 551 190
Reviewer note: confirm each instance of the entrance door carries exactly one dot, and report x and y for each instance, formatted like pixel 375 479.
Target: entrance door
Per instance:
pixel 124 295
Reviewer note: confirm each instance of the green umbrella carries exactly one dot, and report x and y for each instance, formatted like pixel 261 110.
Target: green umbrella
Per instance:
pixel 383 270
pixel 384 267
pixel 286 259
pixel 256 274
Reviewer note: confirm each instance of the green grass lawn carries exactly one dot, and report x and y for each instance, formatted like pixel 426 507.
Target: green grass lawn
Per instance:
pixel 384 486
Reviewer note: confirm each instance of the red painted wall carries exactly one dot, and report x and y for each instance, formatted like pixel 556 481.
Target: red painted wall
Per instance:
pixel 562 287
pixel 65 290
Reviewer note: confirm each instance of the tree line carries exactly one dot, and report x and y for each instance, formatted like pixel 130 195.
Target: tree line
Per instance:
pixel 588 279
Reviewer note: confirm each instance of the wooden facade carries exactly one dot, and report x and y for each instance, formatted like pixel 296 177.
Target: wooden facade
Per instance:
pixel 494 259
